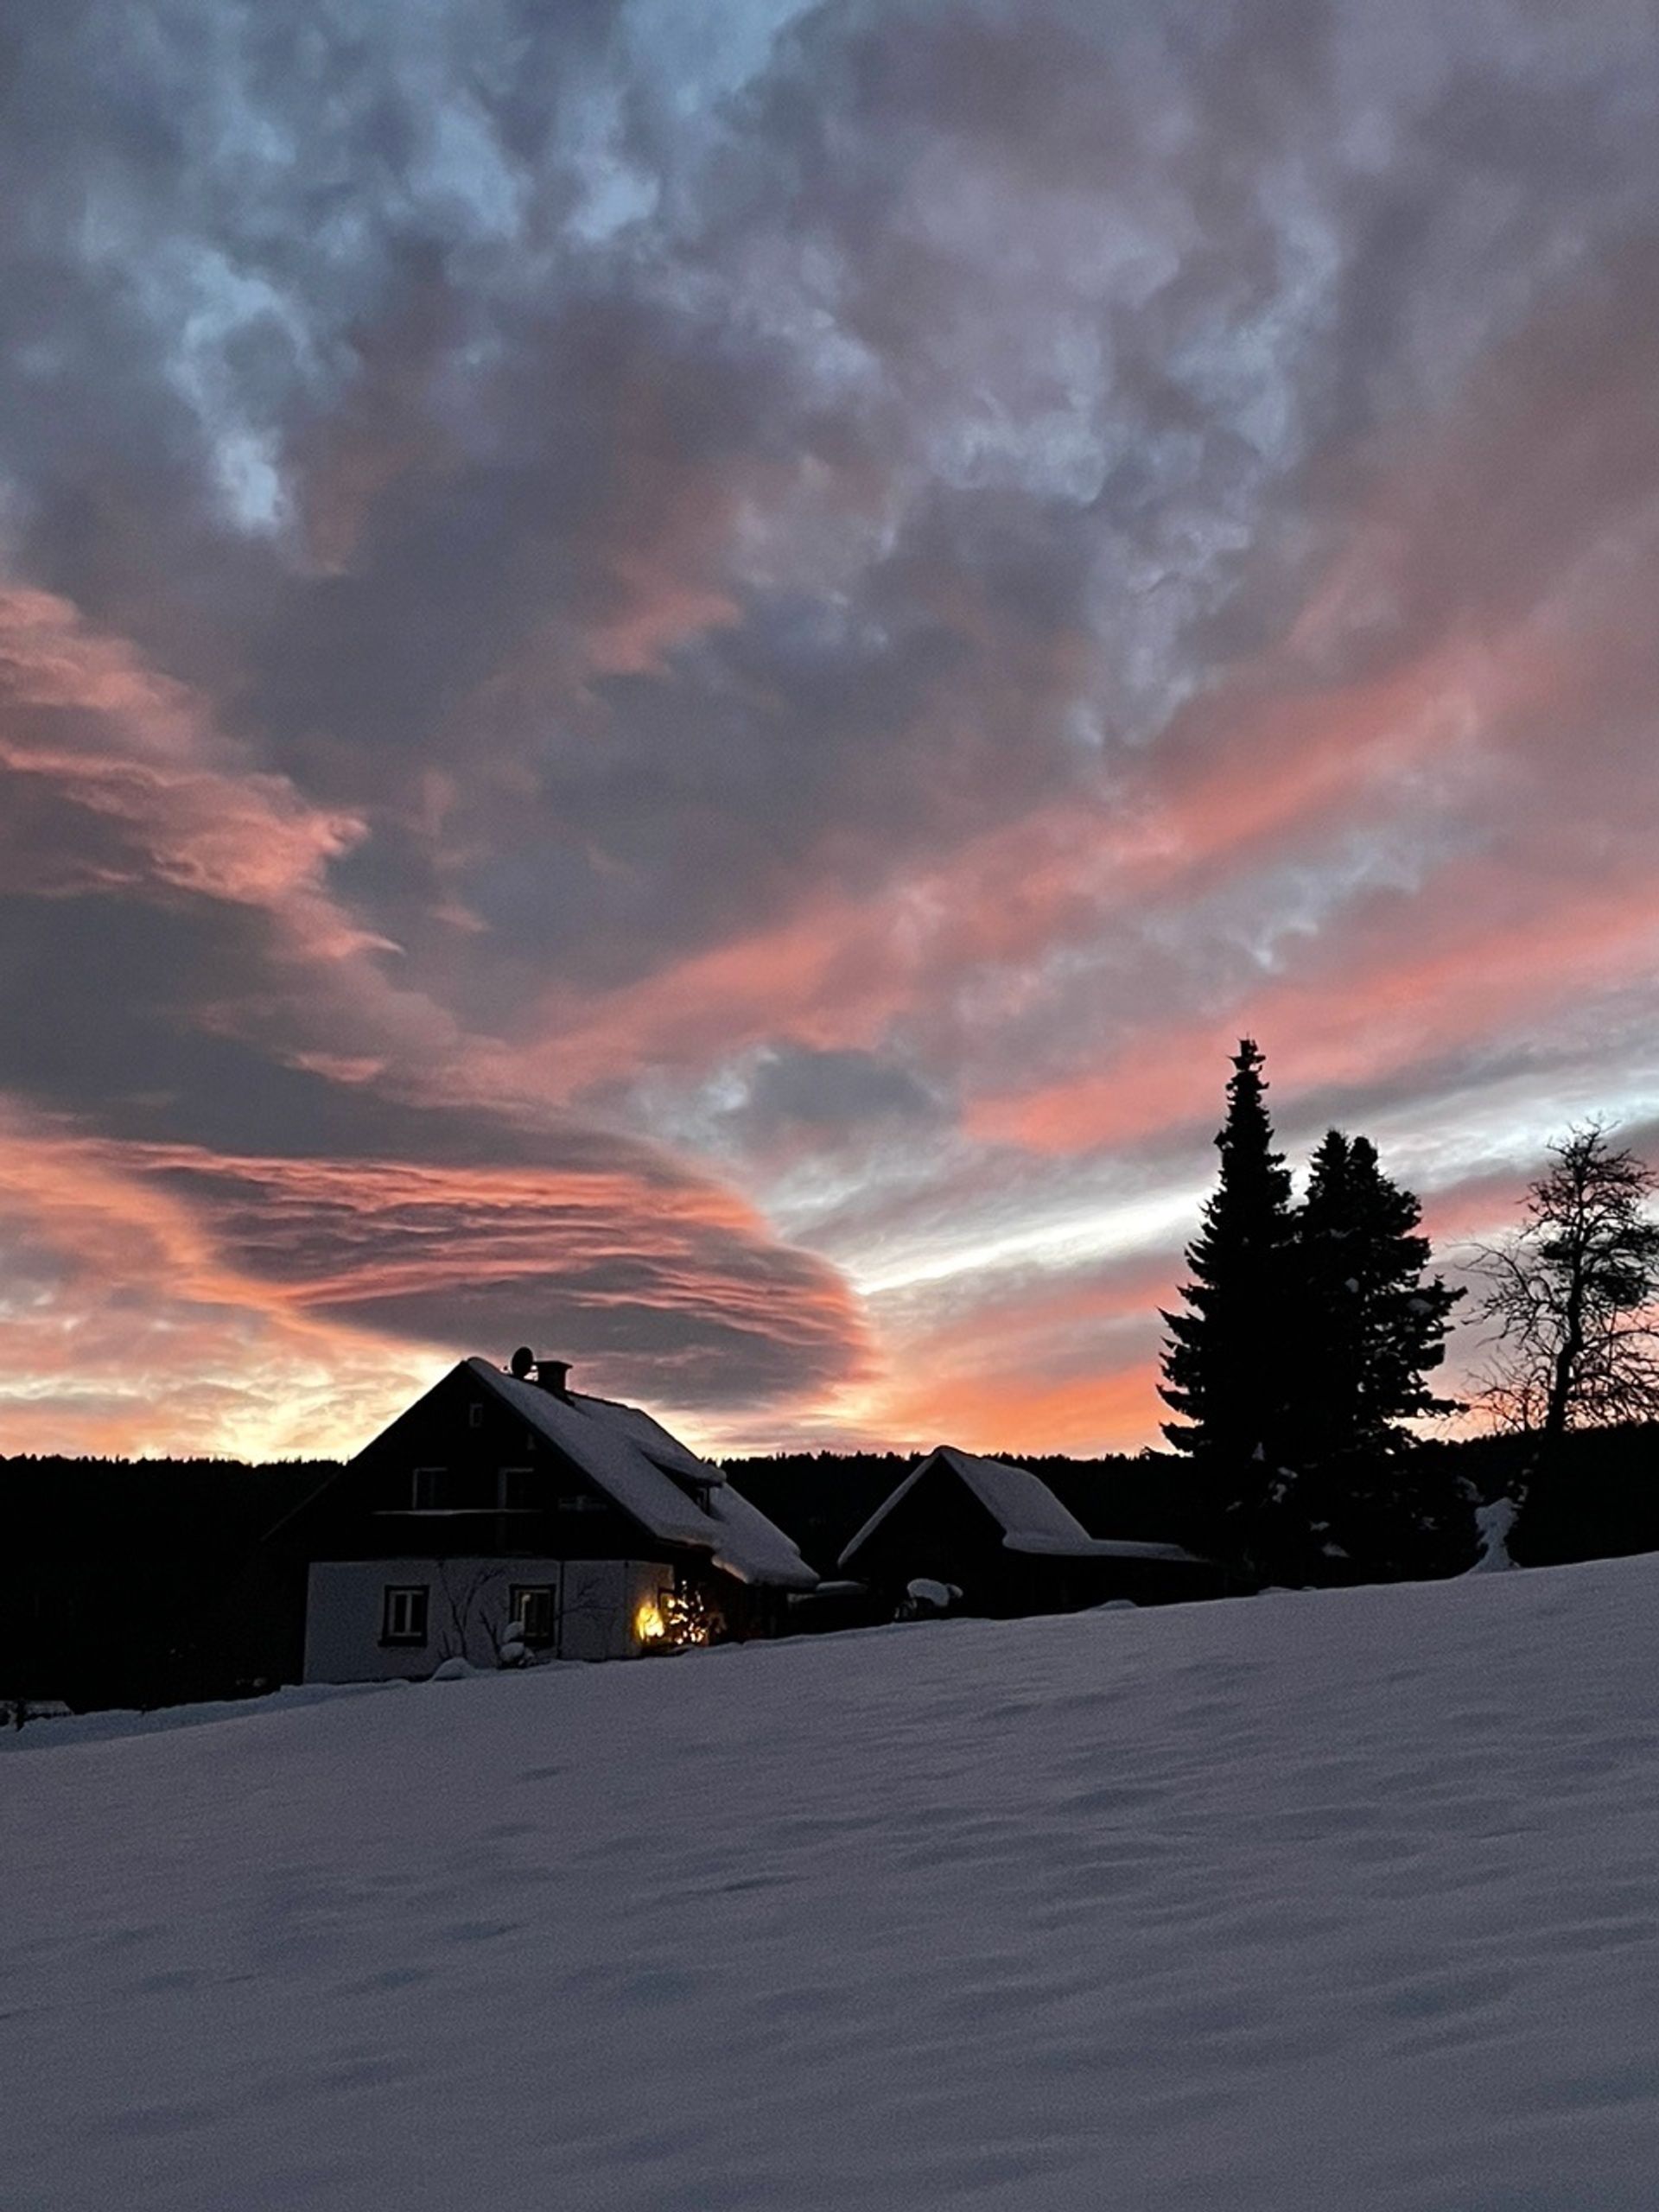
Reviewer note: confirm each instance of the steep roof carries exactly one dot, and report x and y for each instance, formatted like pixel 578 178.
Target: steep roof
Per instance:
pixel 1032 1519
pixel 641 1468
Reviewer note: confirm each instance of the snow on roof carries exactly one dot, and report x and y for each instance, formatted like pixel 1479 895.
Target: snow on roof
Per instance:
pixel 1104 1548
pixel 752 1548
pixel 1032 1519
pixel 1020 1502
pixel 628 1456
pixel 665 1451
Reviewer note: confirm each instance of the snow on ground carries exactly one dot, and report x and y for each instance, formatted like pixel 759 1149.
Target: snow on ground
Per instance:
pixel 1291 1905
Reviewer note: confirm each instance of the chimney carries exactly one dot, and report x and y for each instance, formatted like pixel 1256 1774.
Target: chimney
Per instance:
pixel 550 1376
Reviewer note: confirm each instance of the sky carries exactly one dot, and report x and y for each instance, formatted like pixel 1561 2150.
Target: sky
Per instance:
pixel 672 677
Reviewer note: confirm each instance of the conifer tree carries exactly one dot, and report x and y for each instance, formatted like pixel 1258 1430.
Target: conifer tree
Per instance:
pixel 1225 1364
pixel 1371 1327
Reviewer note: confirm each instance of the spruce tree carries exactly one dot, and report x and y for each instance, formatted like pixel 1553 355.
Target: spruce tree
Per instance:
pixel 1370 1326
pixel 1225 1364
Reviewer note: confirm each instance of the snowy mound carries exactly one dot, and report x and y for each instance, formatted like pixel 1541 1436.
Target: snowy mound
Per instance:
pixel 1294 1904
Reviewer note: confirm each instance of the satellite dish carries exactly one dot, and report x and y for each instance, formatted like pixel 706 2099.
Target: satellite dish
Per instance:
pixel 521 1363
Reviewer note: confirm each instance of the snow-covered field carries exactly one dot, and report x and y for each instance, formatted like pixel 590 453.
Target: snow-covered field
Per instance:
pixel 1332 1903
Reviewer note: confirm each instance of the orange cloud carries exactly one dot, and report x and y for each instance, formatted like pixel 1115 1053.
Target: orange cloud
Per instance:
pixel 122 1331
pixel 83 719
pixel 839 970
pixel 1495 967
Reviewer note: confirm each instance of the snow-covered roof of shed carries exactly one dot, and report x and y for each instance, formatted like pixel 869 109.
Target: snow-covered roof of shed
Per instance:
pixel 1032 1519
pixel 641 1468
pixel 1103 1547
pixel 1020 1502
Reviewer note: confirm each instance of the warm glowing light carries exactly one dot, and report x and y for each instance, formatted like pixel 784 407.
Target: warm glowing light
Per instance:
pixel 673 1620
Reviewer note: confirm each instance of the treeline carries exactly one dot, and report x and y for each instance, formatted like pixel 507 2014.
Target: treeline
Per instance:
pixel 147 1582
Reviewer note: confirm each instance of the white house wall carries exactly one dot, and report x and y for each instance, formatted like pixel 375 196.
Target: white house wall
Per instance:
pixel 601 1603
pixel 597 1604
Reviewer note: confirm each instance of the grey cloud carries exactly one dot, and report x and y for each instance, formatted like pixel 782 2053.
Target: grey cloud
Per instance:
pixel 831 1094
pixel 600 1249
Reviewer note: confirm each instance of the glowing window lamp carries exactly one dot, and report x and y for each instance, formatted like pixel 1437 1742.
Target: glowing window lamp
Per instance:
pixel 674 1620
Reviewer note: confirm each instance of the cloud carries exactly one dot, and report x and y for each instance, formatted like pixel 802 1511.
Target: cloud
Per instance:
pixel 210 982
pixel 655 1277
pixel 623 629
pixel 124 1331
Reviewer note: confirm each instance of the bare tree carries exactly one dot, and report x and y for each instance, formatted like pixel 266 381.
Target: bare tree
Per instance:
pixel 1572 1295
pixel 471 1618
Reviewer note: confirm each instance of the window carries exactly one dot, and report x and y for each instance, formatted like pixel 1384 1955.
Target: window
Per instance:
pixel 403 1613
pixel 475 1416
pixel 580 1501
pixel 454 1489
pixel 532 1609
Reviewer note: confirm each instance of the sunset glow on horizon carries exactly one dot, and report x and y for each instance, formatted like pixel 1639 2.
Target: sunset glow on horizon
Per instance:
pixel 670 679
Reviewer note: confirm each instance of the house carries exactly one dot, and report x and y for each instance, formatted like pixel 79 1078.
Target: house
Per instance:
pixel 505 1515
pixel 995 1540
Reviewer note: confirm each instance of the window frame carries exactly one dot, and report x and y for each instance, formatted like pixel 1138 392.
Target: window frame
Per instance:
pixel 506 1487
pixel 518 1593
pixel 391 1594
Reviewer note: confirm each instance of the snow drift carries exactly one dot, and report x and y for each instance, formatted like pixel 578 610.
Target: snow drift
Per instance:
pixel 1331 1903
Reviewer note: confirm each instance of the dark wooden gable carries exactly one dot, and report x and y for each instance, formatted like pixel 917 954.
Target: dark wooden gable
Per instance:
pixel 461 1474
pixel 938 1529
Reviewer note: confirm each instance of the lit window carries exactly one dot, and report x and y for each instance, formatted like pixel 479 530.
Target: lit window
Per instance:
pixel 533 1613
pixel 676 1617
pixel 403 1613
